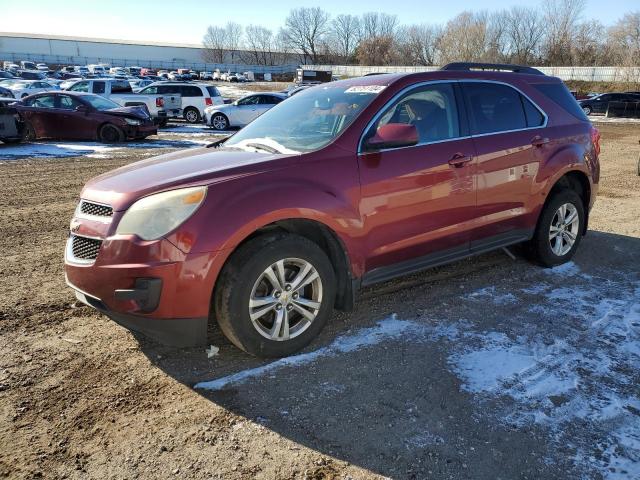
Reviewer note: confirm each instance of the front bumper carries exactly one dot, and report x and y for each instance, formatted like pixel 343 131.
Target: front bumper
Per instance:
pixel 139 131
pixel 147 286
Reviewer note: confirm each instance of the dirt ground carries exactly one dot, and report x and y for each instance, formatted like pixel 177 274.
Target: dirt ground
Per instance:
pixel 487 368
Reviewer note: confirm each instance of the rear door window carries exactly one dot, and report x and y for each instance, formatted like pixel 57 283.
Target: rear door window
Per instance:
pixel 99 87
pixel 68 103
pixel 121 86
pixel 493 107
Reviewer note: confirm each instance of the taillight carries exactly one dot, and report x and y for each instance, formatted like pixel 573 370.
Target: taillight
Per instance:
pixel 595 139
pixel 160 102
pixel 208 102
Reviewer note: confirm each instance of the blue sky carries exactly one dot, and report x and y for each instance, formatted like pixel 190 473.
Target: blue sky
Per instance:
pixel 185 21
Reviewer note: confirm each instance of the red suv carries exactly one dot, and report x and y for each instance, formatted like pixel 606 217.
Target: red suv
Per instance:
pixel 344 185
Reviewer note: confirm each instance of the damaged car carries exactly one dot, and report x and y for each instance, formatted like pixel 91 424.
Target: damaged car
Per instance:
pixel 83 116
pixel 11 124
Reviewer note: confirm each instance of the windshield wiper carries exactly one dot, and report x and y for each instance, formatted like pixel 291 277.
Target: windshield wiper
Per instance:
pixel 261 146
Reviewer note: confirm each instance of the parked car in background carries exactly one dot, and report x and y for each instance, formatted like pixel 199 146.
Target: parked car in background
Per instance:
pixel 43 67
pixel 24 88
pixel 339 187
pixel 84 71
pixel 11 124
pixel 28 65
pixel 6 93
pixel 134 70
pixel 138 85
pixel 206 76
pixel 600 103
pixel 6 75
pixel 161 107
pixel 32 75
pixel 242 111
pixel 83 116
pixel 118 71
pixel 195 97
pixel 12 68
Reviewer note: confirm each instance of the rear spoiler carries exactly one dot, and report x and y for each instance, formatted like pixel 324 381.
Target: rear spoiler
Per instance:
pixel 496 67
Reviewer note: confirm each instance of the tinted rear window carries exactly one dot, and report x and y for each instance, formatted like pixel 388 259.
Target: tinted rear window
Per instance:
pixel 560 94
pixel 494 107
pixel 121 86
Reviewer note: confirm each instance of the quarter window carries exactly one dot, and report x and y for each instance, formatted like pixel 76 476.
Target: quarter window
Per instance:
pixel 431 109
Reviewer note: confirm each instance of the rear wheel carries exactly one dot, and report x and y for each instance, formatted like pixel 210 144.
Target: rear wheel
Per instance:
pixel 110 133
pixel 275 295
pixel 559 229
pixel 587 110
pixel 192 115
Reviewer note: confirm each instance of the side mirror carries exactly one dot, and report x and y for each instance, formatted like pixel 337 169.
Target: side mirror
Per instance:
pixel 393 135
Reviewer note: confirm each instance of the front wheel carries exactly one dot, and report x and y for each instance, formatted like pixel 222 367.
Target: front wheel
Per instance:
pixel 219 121
pixel 559 229
pixel 109 133
pixel 275 295
pixel 587 110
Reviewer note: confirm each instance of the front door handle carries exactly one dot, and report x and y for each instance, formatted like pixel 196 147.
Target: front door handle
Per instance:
pixel 459 160
pixel 539 141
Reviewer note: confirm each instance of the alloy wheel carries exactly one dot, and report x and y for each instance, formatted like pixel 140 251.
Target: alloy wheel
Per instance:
pixel 219 122
pixel 564 229
pixel 285 299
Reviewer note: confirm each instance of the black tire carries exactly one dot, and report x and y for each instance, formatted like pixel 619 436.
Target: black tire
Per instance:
pixel 110 133
pixel 219 121
pixel 539 248
pixel 29 133
pixel 192 115
pixel 587 110
pixel 242 271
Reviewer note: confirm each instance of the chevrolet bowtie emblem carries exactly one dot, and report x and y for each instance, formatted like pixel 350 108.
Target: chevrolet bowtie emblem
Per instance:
pixel 75 226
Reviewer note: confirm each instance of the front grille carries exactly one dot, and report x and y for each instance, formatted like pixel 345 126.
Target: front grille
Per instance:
pixel 95 209
pixel 84 248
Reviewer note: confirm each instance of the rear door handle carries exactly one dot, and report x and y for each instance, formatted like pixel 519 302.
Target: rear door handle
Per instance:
pixel 459 160
pixel 539 141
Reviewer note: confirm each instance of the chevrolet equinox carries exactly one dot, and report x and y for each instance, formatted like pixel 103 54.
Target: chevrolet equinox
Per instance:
pixel 341 186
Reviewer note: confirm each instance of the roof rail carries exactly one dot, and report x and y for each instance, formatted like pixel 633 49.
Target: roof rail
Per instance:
pixel 504 67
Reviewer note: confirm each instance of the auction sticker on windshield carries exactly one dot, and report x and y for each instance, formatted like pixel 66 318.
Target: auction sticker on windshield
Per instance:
pixel 366 89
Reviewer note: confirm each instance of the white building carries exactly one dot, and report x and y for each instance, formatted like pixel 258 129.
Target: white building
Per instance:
pixel 66 50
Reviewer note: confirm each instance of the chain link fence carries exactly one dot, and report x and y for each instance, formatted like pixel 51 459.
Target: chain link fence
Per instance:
pixel 589 74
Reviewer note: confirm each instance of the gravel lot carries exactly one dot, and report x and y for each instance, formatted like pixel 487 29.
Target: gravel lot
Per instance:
pixel 487 368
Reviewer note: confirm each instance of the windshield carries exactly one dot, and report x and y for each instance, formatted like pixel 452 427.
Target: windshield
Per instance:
pixel 308 121
pixel 100 103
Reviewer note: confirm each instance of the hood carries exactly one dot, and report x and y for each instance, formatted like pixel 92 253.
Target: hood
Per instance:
pixel 137 111
pixel 199 166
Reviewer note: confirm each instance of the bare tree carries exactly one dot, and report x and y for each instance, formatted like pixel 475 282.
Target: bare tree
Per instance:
pixel 464 38
pixel 214 45
pixel 259 42
pixel 624 39
pixel 376 24
pixel 346 35
pixel 561 19
pixel 305 29
pixel 419 44
pixel 588 45
pixel 524 33
pixel 379 50
pixel 233 39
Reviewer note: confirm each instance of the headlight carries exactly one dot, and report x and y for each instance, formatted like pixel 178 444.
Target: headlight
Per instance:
pixel 132 121
pixel 156 215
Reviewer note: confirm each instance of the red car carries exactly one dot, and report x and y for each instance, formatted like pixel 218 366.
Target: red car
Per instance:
pixel 345 184
pixel 83 116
